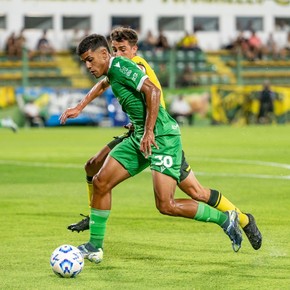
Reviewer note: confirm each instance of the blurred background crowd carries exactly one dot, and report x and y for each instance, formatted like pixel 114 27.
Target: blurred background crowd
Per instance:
pixel 213 69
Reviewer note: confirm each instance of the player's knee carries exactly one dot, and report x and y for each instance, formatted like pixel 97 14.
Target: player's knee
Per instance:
pixel 89 166
pixel 100 185
pixel 165 208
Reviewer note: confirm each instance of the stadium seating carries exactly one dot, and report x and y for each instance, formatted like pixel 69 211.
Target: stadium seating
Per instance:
pixel 277 71
pixel 59 71
pixel 208 68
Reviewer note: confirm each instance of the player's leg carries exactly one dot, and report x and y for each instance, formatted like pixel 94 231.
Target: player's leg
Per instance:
pixel 92 167
pixel 124 160
pixel 94 164
pixel 111 174
pixel 192 187
pixel 165 166
pixel 164 188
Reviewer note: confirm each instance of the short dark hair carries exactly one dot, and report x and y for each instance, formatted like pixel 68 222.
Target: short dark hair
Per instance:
pixel 124 33
pixel 93 42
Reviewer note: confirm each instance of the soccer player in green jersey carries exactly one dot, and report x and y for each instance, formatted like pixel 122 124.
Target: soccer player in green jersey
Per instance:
pixel 124 43
pixel 155 143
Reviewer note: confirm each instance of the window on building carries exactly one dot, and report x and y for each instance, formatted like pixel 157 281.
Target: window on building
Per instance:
pixel 205 23
pixel 38 22
pixel 282 23
pixel 171 24
pixel 72 22
pixel 132 22
pixel 2 21
pixel 249 23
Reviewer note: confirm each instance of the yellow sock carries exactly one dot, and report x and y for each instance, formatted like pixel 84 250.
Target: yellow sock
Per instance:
pixel 90 192
pixel 223 204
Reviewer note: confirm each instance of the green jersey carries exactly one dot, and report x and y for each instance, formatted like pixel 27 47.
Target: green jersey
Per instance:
pixel 126 80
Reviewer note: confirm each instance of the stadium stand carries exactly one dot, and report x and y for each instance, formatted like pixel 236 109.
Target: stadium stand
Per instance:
pixel 277 71
pixel 206 68
pixel 59 71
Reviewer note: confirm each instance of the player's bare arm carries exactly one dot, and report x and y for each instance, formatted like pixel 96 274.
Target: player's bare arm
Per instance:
pixel 96 91
pixel 152 97
pixel 142 67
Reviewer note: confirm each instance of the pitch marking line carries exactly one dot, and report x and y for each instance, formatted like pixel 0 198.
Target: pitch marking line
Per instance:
pixel 40 164
pixel 253 162
pixel 250 162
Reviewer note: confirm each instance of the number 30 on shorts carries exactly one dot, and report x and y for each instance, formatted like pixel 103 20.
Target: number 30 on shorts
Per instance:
pixel 163 160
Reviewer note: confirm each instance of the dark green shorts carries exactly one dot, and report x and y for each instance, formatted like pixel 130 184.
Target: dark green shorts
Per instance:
pixel 118 139
pixel 184 169
pixel 166 159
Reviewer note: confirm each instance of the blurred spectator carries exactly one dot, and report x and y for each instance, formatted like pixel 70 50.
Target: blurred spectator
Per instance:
pixel 255 47
pixel 180 110
pixel 32 114
pixel 162 41
pixel 200 104
pixel 44 47
pixel 186 78
pixel 266 99
pixel 286 49
pixel 149 42
pixel 241 45
pixel 20 43
pixel 189 42
pixel 271 48
pixel 10 46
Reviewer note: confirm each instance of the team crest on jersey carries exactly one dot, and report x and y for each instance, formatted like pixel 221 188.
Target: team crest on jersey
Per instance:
pixel 117 65
pixel 162 168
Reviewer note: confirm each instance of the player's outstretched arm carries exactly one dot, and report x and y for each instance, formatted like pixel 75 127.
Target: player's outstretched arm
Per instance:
pixel 97 90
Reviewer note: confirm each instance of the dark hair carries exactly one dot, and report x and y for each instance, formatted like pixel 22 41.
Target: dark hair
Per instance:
pixel 92 42
pixel 124 33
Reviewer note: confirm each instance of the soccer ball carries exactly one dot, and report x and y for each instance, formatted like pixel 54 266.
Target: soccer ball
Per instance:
pixel 66 261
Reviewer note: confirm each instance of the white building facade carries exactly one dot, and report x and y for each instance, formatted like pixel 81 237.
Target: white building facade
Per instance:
pixel 217 21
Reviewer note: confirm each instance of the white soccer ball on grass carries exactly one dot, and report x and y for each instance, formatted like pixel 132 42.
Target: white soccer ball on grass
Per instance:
pixel 67 261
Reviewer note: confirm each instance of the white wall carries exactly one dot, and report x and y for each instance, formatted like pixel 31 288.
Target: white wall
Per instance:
pixel 102 10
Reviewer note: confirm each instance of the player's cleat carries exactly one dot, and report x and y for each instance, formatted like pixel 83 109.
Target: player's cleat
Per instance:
pixel 233 230
pixel 9 123
pixel 91 253
pixel 81 226
pixel 252 232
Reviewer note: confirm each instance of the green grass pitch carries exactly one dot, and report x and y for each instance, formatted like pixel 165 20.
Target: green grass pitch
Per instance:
pixel 42 190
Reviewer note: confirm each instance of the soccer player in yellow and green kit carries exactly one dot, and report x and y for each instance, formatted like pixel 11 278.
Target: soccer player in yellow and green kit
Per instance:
pixel 124 43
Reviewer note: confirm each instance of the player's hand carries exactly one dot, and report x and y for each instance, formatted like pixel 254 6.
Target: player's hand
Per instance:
pixel 69 113
pixel 147 141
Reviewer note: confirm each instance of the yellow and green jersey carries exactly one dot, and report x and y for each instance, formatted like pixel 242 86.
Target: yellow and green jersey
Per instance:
pixel 151 74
